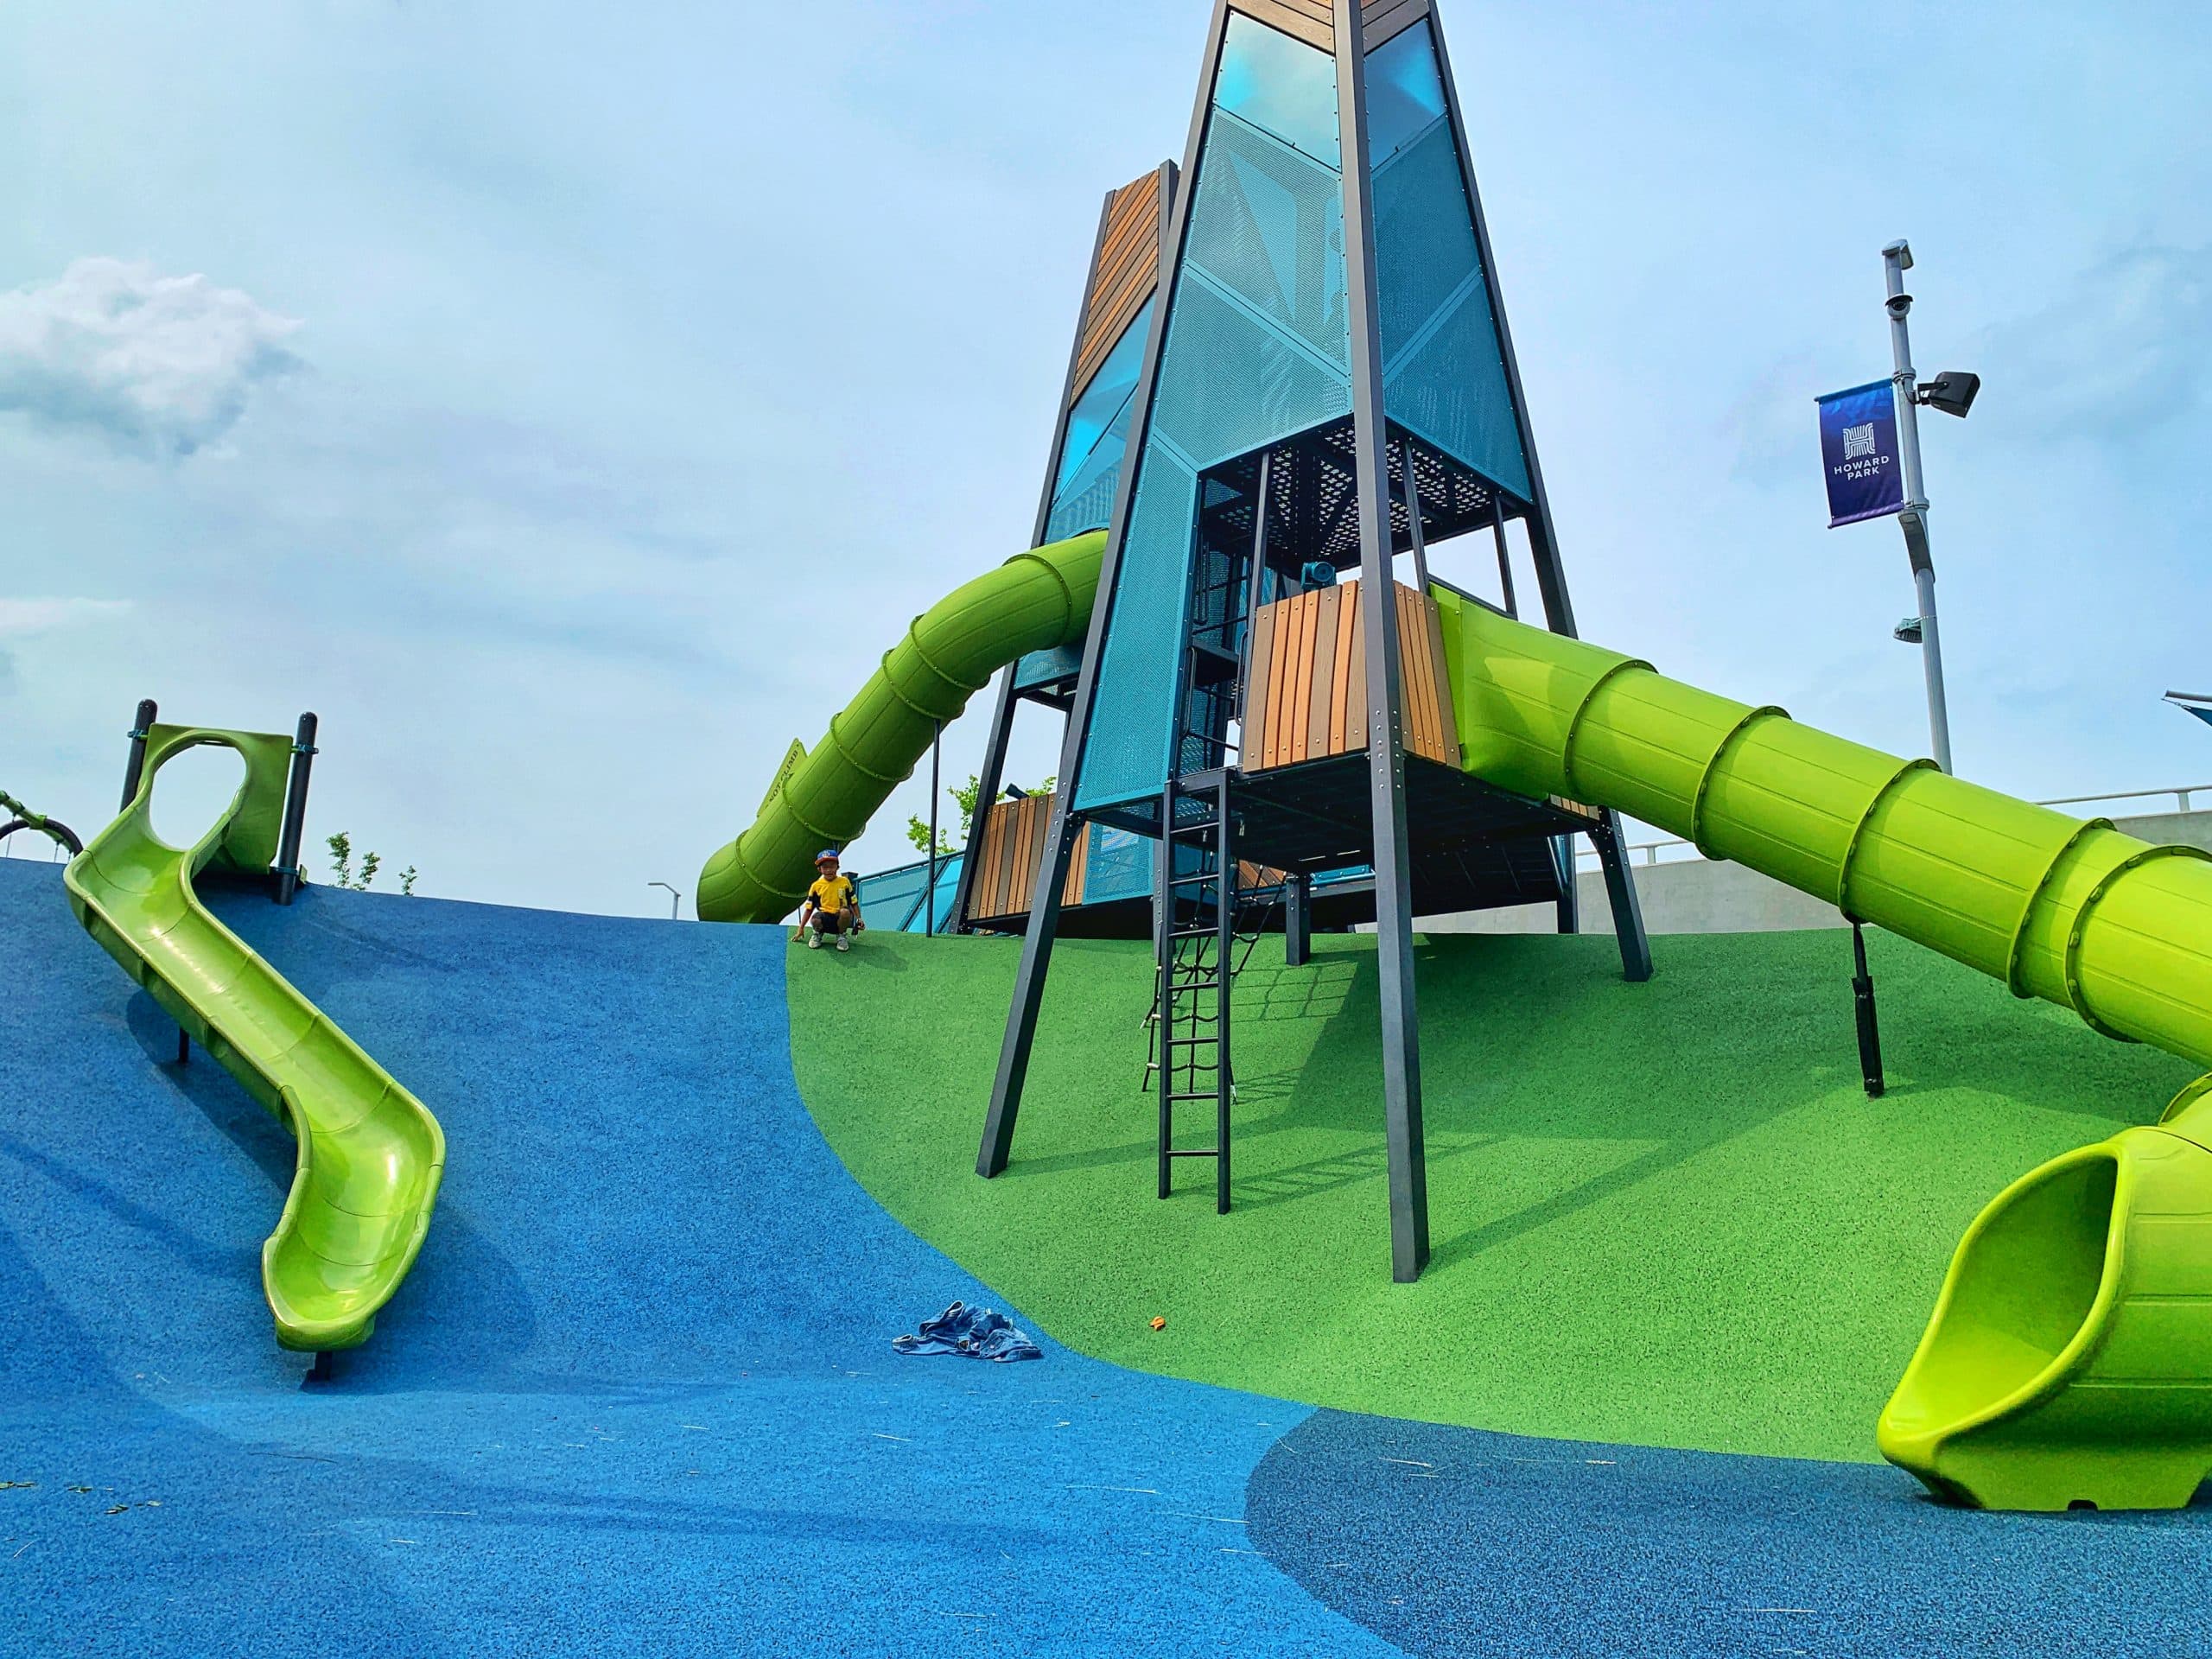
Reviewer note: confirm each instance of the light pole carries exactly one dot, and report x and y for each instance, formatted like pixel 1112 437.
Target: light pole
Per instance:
pixel 674 899
pixel 1896 259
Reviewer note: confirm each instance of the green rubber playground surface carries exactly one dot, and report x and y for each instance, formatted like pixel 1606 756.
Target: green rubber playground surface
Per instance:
pixel 1662 1214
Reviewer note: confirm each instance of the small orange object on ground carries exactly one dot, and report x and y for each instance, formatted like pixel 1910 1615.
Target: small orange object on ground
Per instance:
pixel 1158 1323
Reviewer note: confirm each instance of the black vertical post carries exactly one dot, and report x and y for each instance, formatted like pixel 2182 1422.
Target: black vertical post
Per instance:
pixel 1386 772
pixel 1620 892
pixel 1570 890
pixel 1255 577
pixel 1297 920
pixel 1412 517
pixel 1862 999
pixel 295 810
pixel 989 782
pixel 1505 556
pixel 937 745
pixel 135 768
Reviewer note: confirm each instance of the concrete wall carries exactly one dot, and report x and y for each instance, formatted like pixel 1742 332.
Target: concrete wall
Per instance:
pixel 1696 896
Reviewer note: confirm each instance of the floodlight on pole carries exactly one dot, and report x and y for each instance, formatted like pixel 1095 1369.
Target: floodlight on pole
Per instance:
pixel 674 899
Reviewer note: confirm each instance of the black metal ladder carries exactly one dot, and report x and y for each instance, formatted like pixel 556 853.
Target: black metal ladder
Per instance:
pixel 1197 920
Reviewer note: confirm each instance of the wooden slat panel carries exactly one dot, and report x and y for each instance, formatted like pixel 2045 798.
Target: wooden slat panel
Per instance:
pixel 1009 859
pixel 1301 709
pixel 1301 24
pixel 1024 866
pixel 1416 629
pixel 1415 701
pixel 1448 711
pixel 988 893
pixel 1278 675
pixel 1341 690
pixel 1078 868
pixel 1382 20
pixel 1128 270
pixel 1293 676
pixel 1258 668
pixel 1322 689
pixel 1355 713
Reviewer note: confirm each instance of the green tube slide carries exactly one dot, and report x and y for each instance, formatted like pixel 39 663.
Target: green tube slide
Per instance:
pixel 370 1154
pixel 2068 1360
pixel 1035 602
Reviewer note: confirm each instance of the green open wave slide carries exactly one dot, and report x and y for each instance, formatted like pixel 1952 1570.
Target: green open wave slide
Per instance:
pixel 371 1155
pixel 2068 1360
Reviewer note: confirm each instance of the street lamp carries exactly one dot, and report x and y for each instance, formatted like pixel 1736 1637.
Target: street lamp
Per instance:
pixel 674 899
pixel 1953 392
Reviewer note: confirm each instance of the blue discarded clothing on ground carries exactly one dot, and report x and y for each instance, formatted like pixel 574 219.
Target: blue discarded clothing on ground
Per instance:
pixel 976 1332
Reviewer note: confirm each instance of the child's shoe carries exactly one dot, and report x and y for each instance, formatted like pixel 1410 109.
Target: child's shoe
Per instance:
pixel 813 940
pixel 844 943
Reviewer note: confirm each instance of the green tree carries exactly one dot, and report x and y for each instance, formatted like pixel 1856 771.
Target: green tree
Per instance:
pixel 341 865
pixel 964 796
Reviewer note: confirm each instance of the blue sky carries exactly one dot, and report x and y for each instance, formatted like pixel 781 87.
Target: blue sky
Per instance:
pixel 570 406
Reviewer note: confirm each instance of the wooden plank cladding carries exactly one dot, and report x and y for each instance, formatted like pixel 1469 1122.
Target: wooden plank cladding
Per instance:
pixel 1314 21
pixel 1306 696
pixel 1009 855
pixel 1127 272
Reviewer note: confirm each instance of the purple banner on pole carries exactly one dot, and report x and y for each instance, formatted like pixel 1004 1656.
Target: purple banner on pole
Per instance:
pixel 1859 453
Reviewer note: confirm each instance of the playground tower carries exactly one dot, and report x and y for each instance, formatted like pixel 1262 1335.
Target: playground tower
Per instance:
pixel 1292 365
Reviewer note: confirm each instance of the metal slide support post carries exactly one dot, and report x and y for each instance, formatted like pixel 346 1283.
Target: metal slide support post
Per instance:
pixel 1620 892
pixel 1298 920
pixel 1569 910
pixel 295 810
pixel 1386 757
pixel 989 782
pixel 135 768
pixel 1255 577
pixel 1061 826
pixel 1862 1002
pixel 1896 259
pixel 929 896
pixel 1504 557
pixel 1412 518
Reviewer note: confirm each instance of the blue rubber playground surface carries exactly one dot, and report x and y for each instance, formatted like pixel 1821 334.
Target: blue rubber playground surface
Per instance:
pixel 638 1396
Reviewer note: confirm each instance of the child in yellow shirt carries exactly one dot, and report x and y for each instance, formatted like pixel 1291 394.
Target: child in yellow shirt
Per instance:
pixel 833 906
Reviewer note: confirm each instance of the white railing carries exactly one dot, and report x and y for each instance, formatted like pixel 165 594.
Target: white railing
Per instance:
pixel 1585 859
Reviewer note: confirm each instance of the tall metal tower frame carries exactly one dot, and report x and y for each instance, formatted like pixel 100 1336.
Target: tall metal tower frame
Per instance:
pixel 1349 31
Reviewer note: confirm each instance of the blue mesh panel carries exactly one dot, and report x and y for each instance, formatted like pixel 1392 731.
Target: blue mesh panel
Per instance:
pixel 1238 383
pixel 1269 226
pixel 1038 666
pixel 1126 755
pixel 1404 92
pixel 1424 239
pixel 1103 410
pixel 1282 85
pixel 1120 866
pixel 1452 391
pixel 1443 370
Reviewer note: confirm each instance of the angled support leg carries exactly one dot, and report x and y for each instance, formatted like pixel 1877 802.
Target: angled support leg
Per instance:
pixel 1029 985
pixel 1570 892
pixel 1620 890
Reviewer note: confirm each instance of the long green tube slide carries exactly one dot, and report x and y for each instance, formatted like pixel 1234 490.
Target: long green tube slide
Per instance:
pixel 1035 602
pixel 2070 1357
pixel 370 1154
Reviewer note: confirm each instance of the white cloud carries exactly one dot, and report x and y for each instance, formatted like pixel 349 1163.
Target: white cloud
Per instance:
pixel 19 616
pixel 160 366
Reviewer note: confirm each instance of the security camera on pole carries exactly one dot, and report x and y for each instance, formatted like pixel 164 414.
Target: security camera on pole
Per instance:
pixel 1870 442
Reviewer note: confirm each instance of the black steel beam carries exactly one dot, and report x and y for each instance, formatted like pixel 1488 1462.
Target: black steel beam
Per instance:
pixel 1394 949
pixel 988 783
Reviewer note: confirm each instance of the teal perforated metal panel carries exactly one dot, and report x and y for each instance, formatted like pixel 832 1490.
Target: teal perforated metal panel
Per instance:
pixel 1255 351
pixel 1443 367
